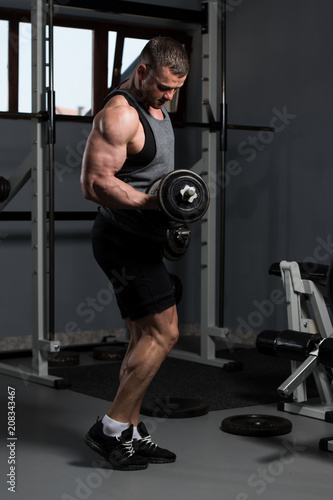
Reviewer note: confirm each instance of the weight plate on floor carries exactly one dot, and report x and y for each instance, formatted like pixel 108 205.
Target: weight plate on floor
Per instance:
pixel 110 353
pixel 169 407
pixel 63 358
pixel 233 366
pixel 256 425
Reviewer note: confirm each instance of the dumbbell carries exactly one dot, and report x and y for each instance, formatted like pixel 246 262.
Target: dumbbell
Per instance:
pixel 183 195
pixel 178 237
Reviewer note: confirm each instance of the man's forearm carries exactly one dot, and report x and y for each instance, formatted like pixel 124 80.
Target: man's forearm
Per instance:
pixel 116 194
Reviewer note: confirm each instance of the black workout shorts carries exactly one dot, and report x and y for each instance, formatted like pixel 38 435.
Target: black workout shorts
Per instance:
pixel 135 267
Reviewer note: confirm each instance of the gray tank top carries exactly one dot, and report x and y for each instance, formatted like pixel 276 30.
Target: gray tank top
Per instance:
pixel 142 176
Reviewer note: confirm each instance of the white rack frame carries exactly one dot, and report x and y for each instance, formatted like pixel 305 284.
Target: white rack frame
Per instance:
pixel 208 166
pixel 306 312
pixel 35 167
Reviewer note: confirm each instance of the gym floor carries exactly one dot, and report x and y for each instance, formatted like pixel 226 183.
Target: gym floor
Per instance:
pixel 53 463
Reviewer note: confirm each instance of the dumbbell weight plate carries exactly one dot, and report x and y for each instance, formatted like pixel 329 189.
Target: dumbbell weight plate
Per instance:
pixel 177 287
pixel 177 242
pixel 174 204
pixel 174 201
pixel 153 189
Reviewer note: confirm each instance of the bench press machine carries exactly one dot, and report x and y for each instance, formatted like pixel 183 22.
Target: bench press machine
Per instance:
pixel 308 342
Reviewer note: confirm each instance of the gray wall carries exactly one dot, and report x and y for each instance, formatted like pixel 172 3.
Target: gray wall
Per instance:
pixel 278 187
pixel 279 206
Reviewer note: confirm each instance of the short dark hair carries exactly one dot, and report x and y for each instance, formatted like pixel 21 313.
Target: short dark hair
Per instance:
pixel 163 51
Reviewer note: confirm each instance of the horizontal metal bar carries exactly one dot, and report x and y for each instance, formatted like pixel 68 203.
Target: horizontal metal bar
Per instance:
pixel 138 9
pixel 28 375
pixel 59 216
pixel 217 126
pixel 213 125
pixel 250 127
pixel 42 115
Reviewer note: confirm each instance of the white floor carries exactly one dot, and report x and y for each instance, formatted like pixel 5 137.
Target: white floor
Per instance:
pixel 53 463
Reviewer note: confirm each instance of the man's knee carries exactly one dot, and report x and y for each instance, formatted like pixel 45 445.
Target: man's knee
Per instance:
pixel 174 335
pixel 166 337
pixel 169 327
pixel 162 328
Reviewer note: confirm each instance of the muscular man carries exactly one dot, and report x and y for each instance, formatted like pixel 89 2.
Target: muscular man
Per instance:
pixel 130 146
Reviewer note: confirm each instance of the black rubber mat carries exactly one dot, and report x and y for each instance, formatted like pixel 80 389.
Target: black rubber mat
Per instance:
pixel 256 383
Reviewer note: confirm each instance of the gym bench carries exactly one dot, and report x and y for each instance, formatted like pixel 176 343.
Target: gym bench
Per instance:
pixel 308 341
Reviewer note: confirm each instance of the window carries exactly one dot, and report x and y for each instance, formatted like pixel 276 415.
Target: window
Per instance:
pixel 119 69
pixel 112 39
pixel 4 66
pixel 73 70
pixel 90 57
pixel 131 52
pixel 24 81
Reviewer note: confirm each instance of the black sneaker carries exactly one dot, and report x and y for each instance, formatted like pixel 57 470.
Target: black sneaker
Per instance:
pixel 116 450
pixel 149 450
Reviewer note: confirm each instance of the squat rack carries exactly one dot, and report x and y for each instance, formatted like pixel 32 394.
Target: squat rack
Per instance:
pixel 34 167
pixel 213 25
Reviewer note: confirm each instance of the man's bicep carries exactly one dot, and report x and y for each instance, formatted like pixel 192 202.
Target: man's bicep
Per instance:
pixel 106 149
pixel 109 158
pixel 103 157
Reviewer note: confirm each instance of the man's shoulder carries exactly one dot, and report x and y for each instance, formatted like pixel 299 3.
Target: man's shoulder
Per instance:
pixel 118 105
pixel 119 94
pixel 117 119
pixel 117 99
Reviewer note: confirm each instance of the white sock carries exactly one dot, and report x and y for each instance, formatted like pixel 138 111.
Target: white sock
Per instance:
pixel 113 428
pixel 136 434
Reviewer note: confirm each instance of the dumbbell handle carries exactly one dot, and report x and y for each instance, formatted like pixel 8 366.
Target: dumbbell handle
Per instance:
pixel 188 193
pixel 181 233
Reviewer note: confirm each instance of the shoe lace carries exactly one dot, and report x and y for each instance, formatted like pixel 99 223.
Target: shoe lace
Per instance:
pixel 148 442
pixel 128 445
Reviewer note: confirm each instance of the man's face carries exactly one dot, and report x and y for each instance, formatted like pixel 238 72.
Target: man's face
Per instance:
pixel 159 87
